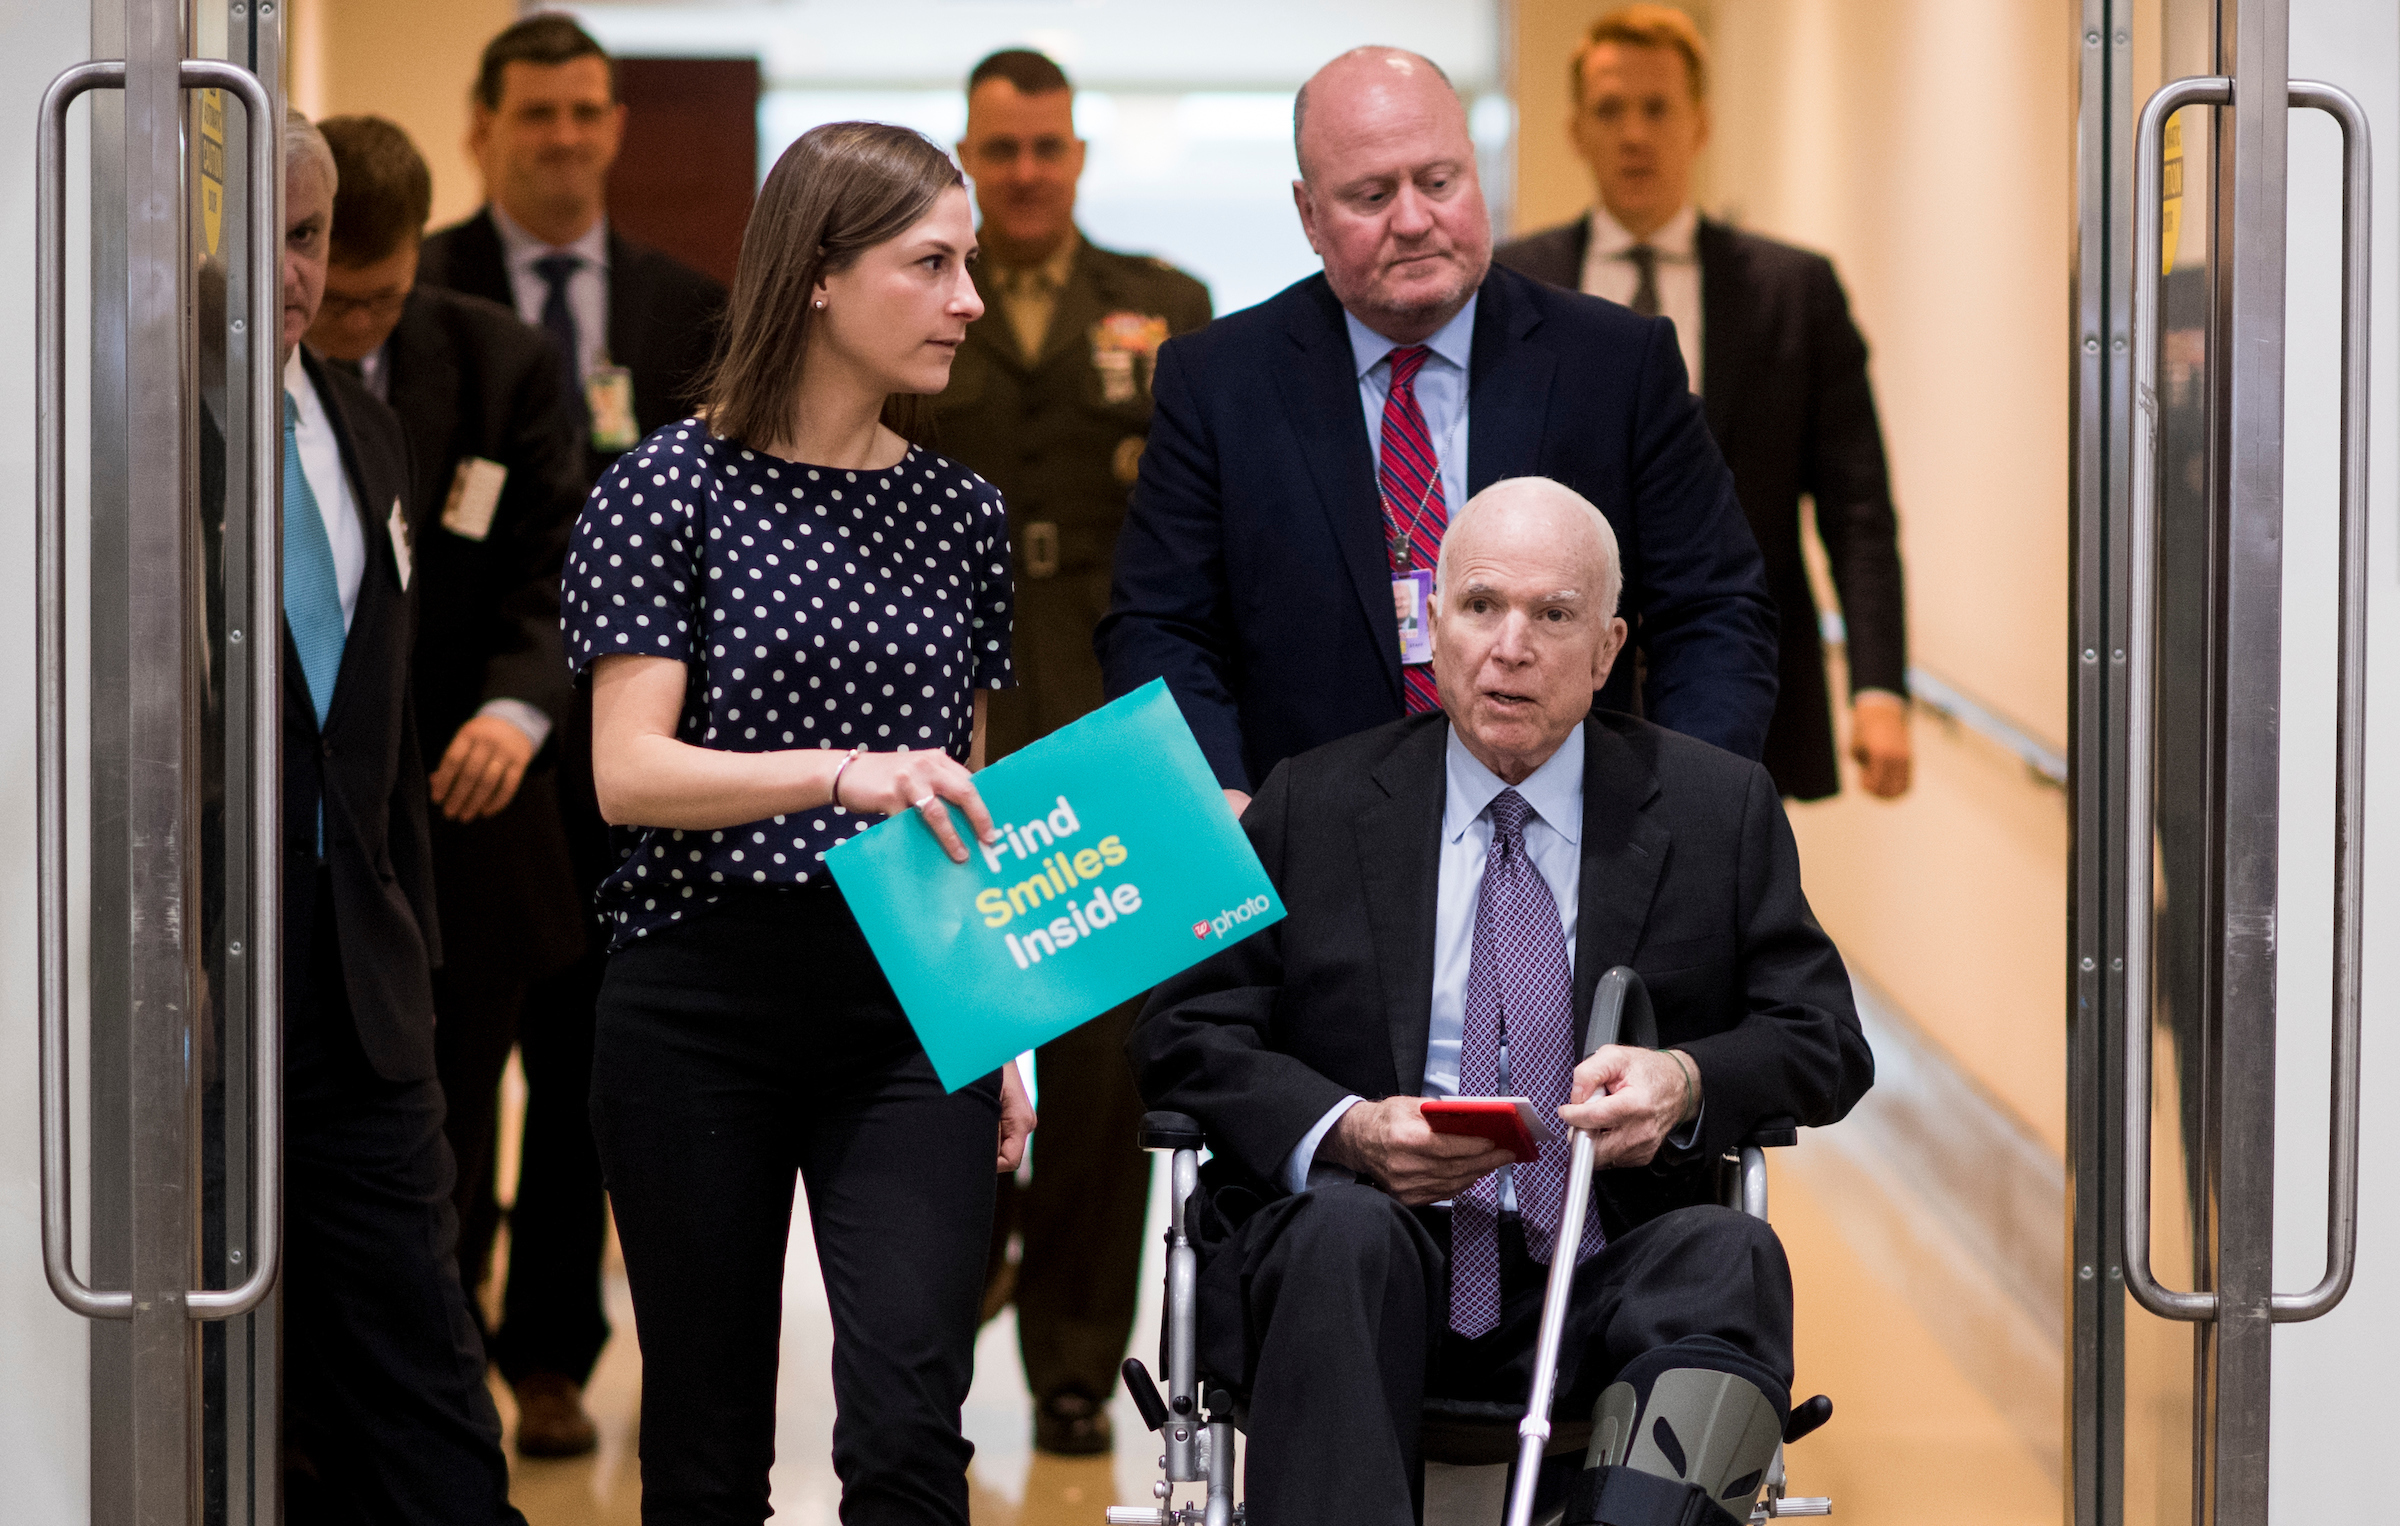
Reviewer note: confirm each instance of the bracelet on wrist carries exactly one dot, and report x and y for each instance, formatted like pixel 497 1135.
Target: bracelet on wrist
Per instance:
pixel 1684 1067
pixel 836 788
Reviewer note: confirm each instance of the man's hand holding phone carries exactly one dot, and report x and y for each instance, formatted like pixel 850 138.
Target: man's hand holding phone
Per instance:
pixel 1391 1143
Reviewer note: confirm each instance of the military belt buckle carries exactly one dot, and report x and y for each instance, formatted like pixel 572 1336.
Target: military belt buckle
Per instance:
pixel 1041 549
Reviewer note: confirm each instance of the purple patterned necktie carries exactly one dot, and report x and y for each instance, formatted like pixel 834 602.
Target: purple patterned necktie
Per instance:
pixel 1519 988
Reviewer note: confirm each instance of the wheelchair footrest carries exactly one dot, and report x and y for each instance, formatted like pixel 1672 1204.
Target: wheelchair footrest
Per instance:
pixel 1606 1496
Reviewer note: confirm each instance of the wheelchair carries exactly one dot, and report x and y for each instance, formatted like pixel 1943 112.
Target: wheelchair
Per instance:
pixel 1467 1445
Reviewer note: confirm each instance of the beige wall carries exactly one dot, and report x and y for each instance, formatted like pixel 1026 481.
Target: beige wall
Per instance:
pixel 1925 145
pixel 412 62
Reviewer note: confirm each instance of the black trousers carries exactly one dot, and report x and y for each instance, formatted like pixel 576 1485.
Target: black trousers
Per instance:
pixel 472 1039
pixel 1081 1216
pixel 1341 1298
pixel 754 1043
pixel 385 1411
pixel 551 1315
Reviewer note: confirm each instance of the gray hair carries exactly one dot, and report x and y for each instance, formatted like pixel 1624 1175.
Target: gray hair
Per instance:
pixel 302 141
pixel 1300 97
pixel 1533 492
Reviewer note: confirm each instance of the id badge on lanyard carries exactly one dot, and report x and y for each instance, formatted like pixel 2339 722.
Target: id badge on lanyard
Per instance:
pixel 1412 586
pixel 1412 607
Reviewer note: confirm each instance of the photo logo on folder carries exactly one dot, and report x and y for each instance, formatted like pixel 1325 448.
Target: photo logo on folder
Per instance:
pixel 1114 838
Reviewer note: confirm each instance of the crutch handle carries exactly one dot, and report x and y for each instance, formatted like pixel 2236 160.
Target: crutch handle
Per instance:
pixel 1621 1013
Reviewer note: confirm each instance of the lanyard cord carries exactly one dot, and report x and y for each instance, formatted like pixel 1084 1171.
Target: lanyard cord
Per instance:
pixel 1403 539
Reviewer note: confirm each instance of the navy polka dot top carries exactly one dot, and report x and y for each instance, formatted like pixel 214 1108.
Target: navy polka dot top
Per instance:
pixel 814 607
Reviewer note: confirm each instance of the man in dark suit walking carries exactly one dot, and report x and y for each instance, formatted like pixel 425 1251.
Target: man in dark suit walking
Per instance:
pixel 633 329
pixel 385 1410
pixel 1306 453
pixel 498 479
pixel 1455 884
pixel 1049 400
pixel 1767 337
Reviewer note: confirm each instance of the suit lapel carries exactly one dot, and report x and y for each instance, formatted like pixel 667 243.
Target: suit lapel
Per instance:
pixel 1726 331
pixel 625 300
pixel 1624 851
pixel 1508 387
pixel 1399 860
pixel 1320 397
pixel 479 265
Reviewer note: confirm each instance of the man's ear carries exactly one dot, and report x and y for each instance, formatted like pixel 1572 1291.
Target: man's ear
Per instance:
pixel 1604 660
pixel 1302 202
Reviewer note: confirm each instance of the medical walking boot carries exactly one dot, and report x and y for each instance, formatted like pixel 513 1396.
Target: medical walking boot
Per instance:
pixel 1681 1447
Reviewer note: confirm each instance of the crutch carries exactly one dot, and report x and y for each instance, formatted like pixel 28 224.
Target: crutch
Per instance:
pixel 1620 1005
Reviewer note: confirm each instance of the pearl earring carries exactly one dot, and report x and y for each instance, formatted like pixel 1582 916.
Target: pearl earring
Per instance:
pixel 820 304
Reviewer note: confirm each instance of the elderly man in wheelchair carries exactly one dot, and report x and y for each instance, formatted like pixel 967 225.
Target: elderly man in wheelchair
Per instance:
pixel 1456 884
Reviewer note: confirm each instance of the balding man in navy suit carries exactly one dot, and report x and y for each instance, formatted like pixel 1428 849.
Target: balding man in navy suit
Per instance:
pixel 1305 455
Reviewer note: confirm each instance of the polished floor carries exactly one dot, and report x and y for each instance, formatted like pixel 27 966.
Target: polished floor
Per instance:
pixel 1912 1439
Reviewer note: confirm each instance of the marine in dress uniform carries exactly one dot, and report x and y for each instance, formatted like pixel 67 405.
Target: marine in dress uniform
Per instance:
pixel 1049 400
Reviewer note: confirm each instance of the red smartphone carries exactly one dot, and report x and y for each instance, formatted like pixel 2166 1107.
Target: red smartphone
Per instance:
pixel 1509 1122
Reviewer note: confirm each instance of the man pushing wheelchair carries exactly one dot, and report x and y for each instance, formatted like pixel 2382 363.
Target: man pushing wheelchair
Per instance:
pixel 1455 884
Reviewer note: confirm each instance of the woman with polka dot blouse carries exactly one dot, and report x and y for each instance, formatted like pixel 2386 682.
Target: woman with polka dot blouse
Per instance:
pixel 791 616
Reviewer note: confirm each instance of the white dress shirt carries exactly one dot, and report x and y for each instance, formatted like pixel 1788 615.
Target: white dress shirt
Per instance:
pixel 587 288
pixel 1554 841
pixel 321 463
pixel 1608 273
pixel 1441 396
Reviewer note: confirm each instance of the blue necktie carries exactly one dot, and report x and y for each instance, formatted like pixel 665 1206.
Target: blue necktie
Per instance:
pixel 558 319
pixel 312 593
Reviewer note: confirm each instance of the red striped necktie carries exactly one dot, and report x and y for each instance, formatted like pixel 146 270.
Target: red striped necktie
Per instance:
pixel 1414 512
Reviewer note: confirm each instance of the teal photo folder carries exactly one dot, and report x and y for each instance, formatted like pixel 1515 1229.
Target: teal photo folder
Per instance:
pixel 1119 864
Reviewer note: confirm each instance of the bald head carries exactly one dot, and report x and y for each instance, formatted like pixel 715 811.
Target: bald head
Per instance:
pixel 1524 620
pixel 1388 193
pixel 1545 511
pixel 1373 71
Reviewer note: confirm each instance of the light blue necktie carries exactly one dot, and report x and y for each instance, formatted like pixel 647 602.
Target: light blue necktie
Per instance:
pixel 312 593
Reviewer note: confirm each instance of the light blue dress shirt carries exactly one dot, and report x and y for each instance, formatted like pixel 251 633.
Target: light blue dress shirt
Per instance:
pixel 1554 841
pixel 587 288
pixel 1441 394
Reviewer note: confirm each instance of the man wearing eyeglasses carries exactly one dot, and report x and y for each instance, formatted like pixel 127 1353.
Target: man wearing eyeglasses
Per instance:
pixel 497 475
pixel 1049 399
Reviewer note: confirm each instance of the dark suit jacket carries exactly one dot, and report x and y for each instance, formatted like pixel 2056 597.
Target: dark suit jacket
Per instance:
pixel 1689 875
pixel 1787 398
pixel 662 315
pixel 366 768
pixel 1252 571
pixel 467 379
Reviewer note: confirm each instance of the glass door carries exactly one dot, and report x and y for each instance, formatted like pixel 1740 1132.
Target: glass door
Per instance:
pixel 158 664
pixel 2207 789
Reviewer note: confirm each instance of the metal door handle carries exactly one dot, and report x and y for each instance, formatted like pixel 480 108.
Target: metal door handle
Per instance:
pixel 50 662
pixel 2341 1231
pixel 2350 730
pixel 2141 611
pixel 50 681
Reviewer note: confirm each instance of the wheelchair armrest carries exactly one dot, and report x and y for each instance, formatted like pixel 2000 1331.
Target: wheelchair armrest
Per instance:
pixel 1773 1133
pixel 1170 1131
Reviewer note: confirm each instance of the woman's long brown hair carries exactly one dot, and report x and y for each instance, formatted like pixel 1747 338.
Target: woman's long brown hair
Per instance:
pixel 839 190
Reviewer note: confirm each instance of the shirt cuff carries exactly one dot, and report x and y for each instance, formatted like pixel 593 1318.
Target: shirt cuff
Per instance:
pixel 1682 1140
pixel 1893 695
pixel 526 718
pixel 1304 1154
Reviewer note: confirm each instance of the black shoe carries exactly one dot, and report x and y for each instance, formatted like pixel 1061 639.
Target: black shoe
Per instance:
pixel 1070 1425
